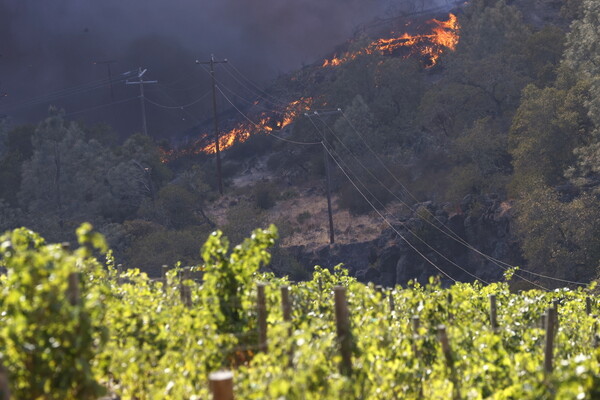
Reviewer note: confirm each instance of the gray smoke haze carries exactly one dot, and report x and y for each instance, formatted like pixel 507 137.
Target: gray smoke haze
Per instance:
pixel 51 44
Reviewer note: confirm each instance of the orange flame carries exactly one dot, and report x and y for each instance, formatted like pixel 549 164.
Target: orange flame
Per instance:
pixel 266 124
pixel 444 35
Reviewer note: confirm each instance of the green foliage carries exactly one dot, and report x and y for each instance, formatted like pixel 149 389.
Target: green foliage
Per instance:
pixel 150 245
pixel 557 236
pixel 149 345
pixel 544 133
pixel 47 343
pixel 228 276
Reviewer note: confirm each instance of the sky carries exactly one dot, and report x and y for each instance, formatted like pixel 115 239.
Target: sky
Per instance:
pixel 47 45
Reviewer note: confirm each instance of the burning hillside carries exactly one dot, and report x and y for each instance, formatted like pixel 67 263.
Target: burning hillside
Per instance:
pixel 266 123
pixel 435 37
pixel 439 36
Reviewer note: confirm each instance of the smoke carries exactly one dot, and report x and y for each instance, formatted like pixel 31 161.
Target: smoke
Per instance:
pixel 48 45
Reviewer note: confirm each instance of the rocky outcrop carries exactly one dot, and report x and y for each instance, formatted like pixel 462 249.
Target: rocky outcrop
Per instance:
pixel 434 240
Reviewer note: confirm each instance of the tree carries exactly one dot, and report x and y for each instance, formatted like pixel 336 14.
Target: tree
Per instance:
pixel 583 57
pixel 70 179
pixel 547 127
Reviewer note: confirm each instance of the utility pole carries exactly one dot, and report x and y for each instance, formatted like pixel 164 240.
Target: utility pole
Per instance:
pixel 328 185
pixel 108 63
pixel 212 63
pixel 142 82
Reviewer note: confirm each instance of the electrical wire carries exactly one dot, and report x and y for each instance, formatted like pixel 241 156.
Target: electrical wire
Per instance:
pixel 389 213
pixel 453 235
pixel 177 107
pixel 388 223
pixel 409 207
pixel 66 92
pixel 101 106
pixel 192 116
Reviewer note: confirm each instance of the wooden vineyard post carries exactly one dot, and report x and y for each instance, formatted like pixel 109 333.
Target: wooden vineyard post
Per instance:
pixel 416 323
pixel 443 337
pixel 493 312
pixel 449 299
pixel 4 386
pixel 164 270
pixel 342 319
pixel 549 348
pixel 261 305
pixel 588 305
pixel 392 305
pixel 73 289
pixel 119 273
pixel 286 308
pixel 185 290
pixel 221 385
pixel 595 338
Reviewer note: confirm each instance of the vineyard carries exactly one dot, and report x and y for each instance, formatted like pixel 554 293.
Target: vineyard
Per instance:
pixel 72 327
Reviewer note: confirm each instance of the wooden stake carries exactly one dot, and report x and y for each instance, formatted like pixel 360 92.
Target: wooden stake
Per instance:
pixel 261 305
pixel 286 306
pixel 164 270
pixel 4 384
pixel 493 312
pixel 588 305
pixel 391 296
pixel 221 385
pixel 416 322
pixel 185 290
pixel 73 289
pixel 119 273
pixel 595 338
pixel 548 351
pixel 342 319
pixel 443 337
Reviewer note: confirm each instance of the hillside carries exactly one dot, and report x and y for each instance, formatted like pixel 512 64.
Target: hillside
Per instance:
pixel 462 141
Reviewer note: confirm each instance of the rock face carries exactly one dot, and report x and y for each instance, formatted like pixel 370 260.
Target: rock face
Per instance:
pixel 432 241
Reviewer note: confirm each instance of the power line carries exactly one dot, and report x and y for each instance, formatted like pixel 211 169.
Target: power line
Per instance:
pixel 453 235
pixel 389 224
pixel 178 107
pixel 404 203
pixel 66 92
pixel 141 82
pixel 114 103
pixel 388 212
pixel 212 63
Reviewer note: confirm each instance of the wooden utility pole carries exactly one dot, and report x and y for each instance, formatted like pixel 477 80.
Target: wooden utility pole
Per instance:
pixel 328 185
pixel 212 63
pixel 142 82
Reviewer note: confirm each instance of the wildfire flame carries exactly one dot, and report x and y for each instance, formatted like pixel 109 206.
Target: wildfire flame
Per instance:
pixel 267 123
pixel 444 35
